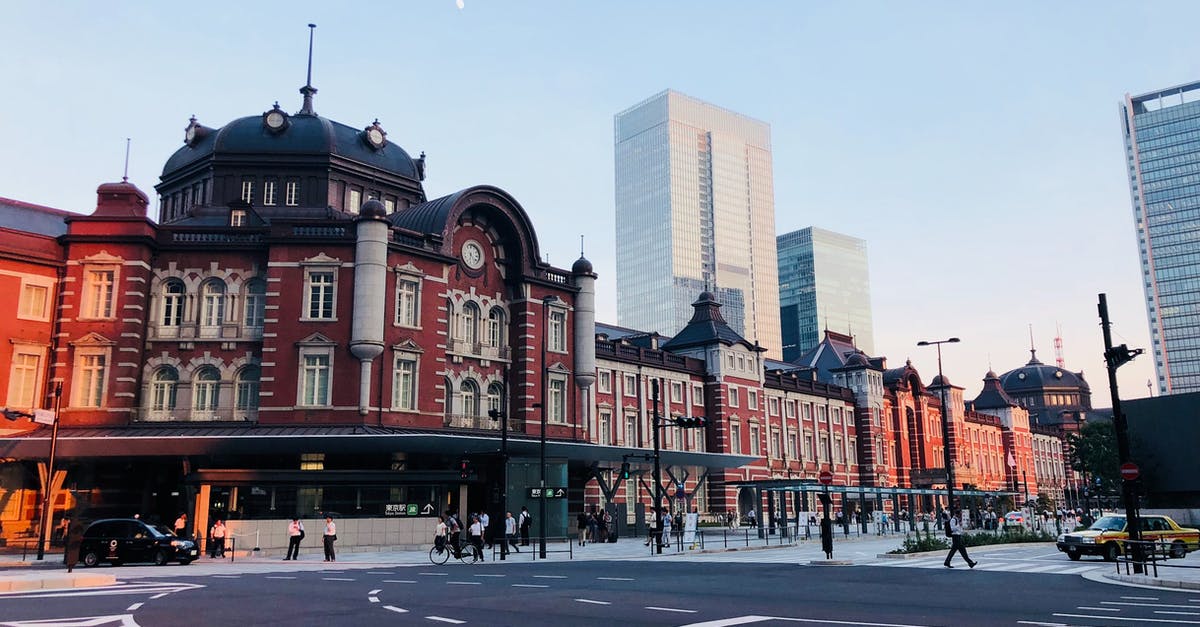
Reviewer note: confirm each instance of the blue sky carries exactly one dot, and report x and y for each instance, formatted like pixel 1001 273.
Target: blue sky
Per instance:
pixel 975 146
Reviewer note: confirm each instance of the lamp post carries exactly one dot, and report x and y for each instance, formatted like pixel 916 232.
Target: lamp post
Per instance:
pixel 44 529
pixel 948 458
pixel 657 471
pixel 542 440
pixel 1115 357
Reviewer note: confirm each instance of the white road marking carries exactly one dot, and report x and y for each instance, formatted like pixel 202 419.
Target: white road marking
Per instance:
pixel 131 588
pixel 1078 569
pixel 1135 620
pixel 549 576
pixel 124 620
pixel 1140 598
pixel 398 610
pixel 371 573
pixel 279 577
pixel 616 578
pixel 399 581
pixel 742 620
pixel 1177 613
pixel 1040 624
pixel 373 599
pixel 1011 566
pixel 375 591
pixel 491 575
pixel 669 609
pixel 1145 604
pixel 227 576
pixel 435 574
pixel 1098 609
pixel 159 596
pixel 593 602
pixel 443 619
pixel 133 607
pixel 336 579
pixel 530 585
pixel 463 583
pixel 1041 569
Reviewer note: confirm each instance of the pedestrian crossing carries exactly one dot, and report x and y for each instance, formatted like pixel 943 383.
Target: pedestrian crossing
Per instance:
pixel 995 565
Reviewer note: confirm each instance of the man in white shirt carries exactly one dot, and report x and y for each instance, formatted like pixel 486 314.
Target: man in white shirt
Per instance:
pixel 329 538
pixel 510 533
pixel 485 520
pixel 475 532
pixel 218 540
pixel 954 524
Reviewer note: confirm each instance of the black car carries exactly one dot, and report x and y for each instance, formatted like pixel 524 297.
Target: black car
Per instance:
pixel 119 540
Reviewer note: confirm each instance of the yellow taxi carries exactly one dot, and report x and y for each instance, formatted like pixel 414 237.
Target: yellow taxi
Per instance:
pixel 1106 537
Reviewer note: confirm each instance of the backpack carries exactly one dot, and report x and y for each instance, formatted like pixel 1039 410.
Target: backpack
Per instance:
pixel 454 526
pixel 949 534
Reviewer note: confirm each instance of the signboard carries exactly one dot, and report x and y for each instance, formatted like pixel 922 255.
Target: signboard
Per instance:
pixel 548 493
pixel 43 416
pixel 1129 471
pixel 929 476
pixel 690 522
pixel 408 509
pixel 825 477
pixel 679 491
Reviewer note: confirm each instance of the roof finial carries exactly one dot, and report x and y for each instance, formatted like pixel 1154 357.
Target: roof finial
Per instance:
pixel 581 246
pixel 125 177
pixel 308 90
pixel 1032 350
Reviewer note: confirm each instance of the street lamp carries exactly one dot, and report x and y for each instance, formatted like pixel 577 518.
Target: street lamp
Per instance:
pixel 657 423
pixel 44 531
pixel 546 301
pixel 948 459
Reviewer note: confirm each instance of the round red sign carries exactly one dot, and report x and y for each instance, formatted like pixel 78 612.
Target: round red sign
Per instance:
pixel 825 477
pixel 1129 471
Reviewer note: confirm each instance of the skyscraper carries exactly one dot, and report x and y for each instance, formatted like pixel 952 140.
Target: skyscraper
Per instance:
pixel 823 284
pixel 695 211
pixel 1162 146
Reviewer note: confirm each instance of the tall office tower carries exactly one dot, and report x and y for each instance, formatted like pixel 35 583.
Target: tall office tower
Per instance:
pixel 823 284
pixel 1162 145
pixel 695 212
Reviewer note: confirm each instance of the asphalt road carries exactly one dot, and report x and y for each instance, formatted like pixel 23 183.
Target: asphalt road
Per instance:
pixel 609 593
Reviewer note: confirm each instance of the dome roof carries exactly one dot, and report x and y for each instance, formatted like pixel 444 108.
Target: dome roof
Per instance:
pixel 302 134
pixel 939 380
pixel 857 360
pixel 1038 376
pixel 581 266
pixel 372 209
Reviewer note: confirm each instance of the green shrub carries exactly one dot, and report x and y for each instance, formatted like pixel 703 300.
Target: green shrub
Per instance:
pixel 1008 536
pixel 921 543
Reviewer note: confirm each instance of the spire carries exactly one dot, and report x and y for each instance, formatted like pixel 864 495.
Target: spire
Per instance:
pixel 125 177
pixel 308 90
pixel 1033 360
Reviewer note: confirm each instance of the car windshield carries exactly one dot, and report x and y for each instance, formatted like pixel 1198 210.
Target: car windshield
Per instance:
pixel 1108 523
pixel 160 530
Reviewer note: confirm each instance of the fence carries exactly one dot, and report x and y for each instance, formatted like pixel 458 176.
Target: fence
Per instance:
pixel 1150 554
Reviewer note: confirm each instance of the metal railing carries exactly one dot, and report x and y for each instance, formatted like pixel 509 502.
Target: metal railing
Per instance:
pixel 1151 554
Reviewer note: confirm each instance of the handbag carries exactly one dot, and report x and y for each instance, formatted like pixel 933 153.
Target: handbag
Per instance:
pixel 301 534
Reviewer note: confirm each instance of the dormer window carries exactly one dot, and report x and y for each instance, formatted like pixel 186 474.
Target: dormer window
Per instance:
pixel 237 217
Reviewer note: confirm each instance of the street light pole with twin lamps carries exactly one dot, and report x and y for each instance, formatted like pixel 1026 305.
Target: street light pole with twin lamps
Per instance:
pixel 948 458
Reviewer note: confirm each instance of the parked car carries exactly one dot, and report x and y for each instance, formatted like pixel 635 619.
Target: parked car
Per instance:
pixel 1014 519
pixel 120 540
pixel 1106 537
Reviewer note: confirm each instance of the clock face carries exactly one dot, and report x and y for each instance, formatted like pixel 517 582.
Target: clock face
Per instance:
pixel 275 120
pixel 472 255
pixel 375 136
pixel 189 135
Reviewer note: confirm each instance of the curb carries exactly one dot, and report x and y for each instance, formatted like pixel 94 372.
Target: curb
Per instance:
pixel 1144 580
pixel 25 582
pixel 831 563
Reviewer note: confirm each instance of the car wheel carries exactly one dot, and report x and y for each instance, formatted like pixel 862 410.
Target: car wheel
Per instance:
pixel 1074 555
pixel 1111 551
pixel 160 557
pixel 1178 550
pixel 185 562
pixel 91 559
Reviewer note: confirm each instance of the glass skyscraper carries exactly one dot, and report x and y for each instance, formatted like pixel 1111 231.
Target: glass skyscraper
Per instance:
pixel 695 211
pixel 823 284
pixel 1162 146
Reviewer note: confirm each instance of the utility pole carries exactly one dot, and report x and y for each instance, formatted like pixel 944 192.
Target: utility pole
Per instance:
pixel 1115 357
pixel 657 471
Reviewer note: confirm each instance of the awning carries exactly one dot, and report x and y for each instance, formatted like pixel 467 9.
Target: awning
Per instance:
pixel 173 441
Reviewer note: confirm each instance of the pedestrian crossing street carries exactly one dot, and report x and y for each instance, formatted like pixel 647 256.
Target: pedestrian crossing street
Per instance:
pixel 997 564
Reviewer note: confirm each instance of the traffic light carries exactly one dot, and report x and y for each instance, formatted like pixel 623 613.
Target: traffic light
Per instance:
pixel 625 471
pixel 697 422
pixel 464 469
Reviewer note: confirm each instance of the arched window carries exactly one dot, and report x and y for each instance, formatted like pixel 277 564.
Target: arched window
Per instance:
pixel 245 396
pixel 172 303
pixel 469 398
pixel 470 323
pixel 212 304
pixel 495 327
pixel 256 302
pixel 205 390
pixel 495 396
pixel 162 390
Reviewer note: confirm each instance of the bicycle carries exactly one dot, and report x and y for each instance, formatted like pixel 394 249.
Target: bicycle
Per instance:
pixel 439 554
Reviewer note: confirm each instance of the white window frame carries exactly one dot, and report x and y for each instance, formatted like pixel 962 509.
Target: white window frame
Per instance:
pixel 752 399
pixel 353 200
pixel 269 192
pixel 248 191
pixel 676 391
pixel 291 193
pixel 206 394
pixel 556 398
pixel 604 382
pixel 789 408
pixel 29 307
pixel 557 330
pixel 408 302
pixel 246 391
pixel 254 309
pixel 237 217
pixel 100 292
pixel 315 293
pixel 164 392
pixel 755 440
pixel 774 443
pixel 404 381
pixel 171 304
pixel 314 396
pixel 733 397
pixel 468 398
pixel 90 377
pixel 809 446
pixel 735 438
pixel 496 325
pixel 792 447
pixel 697 394
pixel 25 376
pixel 773 406
pixel 212 306
pixel 495 397
pixel 468 324
pixel 629 384
pixel 604 427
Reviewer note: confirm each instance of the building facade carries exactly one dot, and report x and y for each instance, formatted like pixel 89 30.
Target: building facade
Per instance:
pixel 824 283
pixel 1161 130
pixel 695 212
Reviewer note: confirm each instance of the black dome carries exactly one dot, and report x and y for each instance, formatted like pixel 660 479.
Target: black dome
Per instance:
pixel 581 266
pixel 303 135
pixel 372 209
pixel 1038 376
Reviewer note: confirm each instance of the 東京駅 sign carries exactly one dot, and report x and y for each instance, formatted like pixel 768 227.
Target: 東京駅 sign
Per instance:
pixel 546 493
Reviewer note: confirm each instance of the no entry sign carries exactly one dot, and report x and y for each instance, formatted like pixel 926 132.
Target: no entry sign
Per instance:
pixel 825 477
pixel 1129 471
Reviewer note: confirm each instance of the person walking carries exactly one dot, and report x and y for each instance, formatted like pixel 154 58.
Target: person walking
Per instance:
pixel 329 537
pixel 216 547
pixel 486 521
pixel 954 529
pixel 73 541
pixel 510 533
pixel 181 526
pixel 295 532
pixel 524 523
pixel 475 534
pixel 581 525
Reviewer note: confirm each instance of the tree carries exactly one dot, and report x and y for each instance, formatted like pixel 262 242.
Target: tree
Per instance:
pixel 1094 453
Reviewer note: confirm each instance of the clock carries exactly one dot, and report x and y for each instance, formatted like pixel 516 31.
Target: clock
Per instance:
pixel 194 132
pixel 275 120
pixel 472 255
pixel 375 136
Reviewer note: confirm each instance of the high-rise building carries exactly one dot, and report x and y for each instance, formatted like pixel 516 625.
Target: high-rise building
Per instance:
pixel 695 212
pixel 1162 146
pixel 823 284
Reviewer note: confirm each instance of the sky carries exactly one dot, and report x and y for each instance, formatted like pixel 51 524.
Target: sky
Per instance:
pixel 976 147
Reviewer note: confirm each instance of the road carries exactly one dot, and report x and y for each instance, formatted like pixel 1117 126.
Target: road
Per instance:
pixel 633 592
